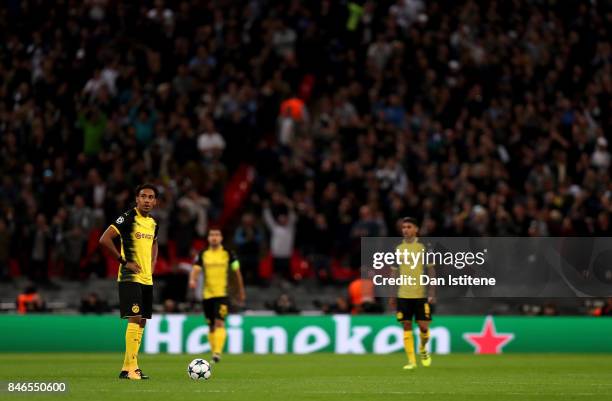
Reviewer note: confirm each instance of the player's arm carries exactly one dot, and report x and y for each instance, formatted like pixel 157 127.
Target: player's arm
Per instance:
pixel 196 270
pixel 193 276
pixel 154 252
pixel 241 291
pixel 106 241
pixel 235 267
pixel 268 218
pixel 431 289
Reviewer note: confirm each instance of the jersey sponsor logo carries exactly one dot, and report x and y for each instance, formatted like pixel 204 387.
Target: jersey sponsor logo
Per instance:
pixel 140 235
pixel 120 220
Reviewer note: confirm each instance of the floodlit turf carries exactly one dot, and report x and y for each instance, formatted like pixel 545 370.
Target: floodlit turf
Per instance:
pixel 93 377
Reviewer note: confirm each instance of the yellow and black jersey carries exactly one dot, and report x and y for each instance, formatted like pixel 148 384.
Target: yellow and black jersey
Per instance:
pixel 417 290
pixel 216 265
pixel 137 234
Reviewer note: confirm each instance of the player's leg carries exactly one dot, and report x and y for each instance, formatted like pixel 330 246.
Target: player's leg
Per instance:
pixel 404 316
pixel 423 318
pixel 130 305
pixel 409 345
pixel 141 326
pixel 147 311
pixel 221 307
pixel 209 316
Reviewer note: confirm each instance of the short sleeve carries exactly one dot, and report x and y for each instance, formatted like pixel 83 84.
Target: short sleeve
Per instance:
pixel 120 223
pixel 198 261
pixel 234 263
pixel 156 231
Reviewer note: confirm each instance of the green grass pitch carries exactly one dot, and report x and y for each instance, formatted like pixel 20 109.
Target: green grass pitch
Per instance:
pixel 93 377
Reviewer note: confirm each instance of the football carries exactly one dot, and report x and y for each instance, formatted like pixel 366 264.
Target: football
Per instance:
pixel 199 369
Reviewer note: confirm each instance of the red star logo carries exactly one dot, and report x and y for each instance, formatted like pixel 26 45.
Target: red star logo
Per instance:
pixel 488 341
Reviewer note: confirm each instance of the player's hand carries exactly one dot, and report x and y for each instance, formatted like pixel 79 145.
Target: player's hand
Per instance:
pixel 431 300
pixel 392 303
pixel 133 266
pixel 193 284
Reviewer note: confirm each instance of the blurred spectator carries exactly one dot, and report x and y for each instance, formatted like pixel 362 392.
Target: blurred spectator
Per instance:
pixel 605 310
pixel 30 301
pixel 282 237
pixel 162 215
pixel 601 156
pixel 284 39
pixel 322 242
pixel 96 192
pixel 340 306
pixel 143 121
pixel 368 225
pixel 379 53
pixel 95 263
pixel 5 249
pixel 93 123
pixel 361 296
pixel 93 304
pixel 489 118
pixel 160 14
pixel 248 240
pixel 69 244
pixel 40 249
pixel 81 215
pixel 550 309
pixel 284 305
pixel 531 310
pixel 210 143
pixel 170 306
pixel 196 207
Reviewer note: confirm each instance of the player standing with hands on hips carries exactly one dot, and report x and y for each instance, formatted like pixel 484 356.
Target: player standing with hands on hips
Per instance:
pixel 218 266
pixel 137 231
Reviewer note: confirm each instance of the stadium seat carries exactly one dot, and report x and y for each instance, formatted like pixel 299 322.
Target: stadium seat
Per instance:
pixel 266 268
pixel 342 273
pixel 300 268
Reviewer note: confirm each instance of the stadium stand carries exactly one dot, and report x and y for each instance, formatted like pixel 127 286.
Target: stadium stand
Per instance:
pixel 478 117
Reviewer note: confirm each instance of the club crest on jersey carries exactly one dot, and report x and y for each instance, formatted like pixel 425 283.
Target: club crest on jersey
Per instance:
pixel 135 308
pixel 120 220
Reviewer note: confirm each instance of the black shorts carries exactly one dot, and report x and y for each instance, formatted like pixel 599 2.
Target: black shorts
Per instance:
pixel 135 299
pixel 418 308
pixel 215 308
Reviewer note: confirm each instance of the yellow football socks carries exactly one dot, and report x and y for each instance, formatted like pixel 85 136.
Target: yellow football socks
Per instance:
pixel 424 338
pixel 130 361
pixel 140 333
pixel 211 340
pixel 220 334
pixel 409 347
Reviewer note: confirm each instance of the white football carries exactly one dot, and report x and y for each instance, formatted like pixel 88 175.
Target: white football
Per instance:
pixel 199 369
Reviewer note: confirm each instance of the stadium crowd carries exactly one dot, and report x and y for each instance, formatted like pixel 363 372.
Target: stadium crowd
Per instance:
pixel 478 117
